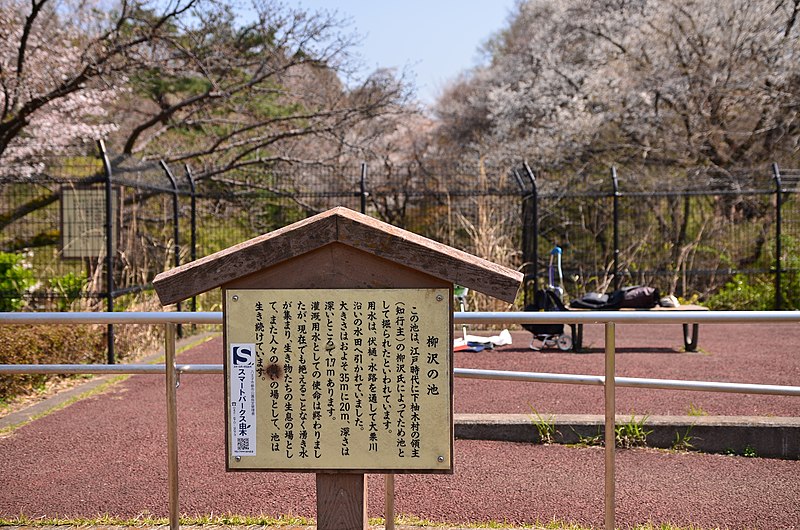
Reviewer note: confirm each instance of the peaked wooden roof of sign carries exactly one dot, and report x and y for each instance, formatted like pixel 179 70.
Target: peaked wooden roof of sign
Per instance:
pixel 338 225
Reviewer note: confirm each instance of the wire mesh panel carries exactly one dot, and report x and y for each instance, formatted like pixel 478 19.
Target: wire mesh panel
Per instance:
pixel 55 224
pixel 685 233
pixel 577 216
pixel 789 236
pixel 41 264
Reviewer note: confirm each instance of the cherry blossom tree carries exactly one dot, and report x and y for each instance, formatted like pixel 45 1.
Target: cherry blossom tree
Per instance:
pixel 63 63
pixel 666 82
pixel 222 87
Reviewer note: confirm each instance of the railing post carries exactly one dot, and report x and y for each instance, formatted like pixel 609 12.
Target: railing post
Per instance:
pixel 172 425
pixel 389 502
pixel 610 432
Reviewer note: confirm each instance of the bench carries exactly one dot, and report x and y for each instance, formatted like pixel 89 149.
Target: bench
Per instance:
pixel 689 336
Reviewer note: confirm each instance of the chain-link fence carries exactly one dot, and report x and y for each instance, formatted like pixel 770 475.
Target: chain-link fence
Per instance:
pixel 686 233
pixel 96 229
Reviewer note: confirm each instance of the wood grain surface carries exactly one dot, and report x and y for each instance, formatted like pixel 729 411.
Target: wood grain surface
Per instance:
pixel 341 501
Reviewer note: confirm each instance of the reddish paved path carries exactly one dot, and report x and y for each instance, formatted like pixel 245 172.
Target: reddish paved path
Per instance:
pixel 766 354
pixel 107 454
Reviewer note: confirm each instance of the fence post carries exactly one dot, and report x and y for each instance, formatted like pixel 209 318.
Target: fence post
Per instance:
pixel 176 246
pixel 534 228
pixel 525 243
pixel 778 246
pixel 109 229
pixel 363 184
pixel 192 223
pixel 615 184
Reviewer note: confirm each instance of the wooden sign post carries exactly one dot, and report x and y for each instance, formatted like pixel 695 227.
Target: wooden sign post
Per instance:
pixel 339 351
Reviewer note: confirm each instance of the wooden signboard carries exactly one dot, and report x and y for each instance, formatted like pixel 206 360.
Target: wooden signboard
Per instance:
pixel 339 380
pixel 338 350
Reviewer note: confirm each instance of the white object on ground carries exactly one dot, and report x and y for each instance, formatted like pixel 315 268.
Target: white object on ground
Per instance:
pixel 503 339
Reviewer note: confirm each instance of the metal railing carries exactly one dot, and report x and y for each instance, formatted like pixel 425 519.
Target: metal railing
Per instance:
pixel 609 319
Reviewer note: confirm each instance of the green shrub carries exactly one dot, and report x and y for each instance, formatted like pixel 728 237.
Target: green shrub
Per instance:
pixel 45 344
pixel 757 292
pixel 67 289
pixel 15 281
pixel 744 293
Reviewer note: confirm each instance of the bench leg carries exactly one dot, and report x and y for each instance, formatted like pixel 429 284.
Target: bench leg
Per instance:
pixel 690 339
pixel 577 337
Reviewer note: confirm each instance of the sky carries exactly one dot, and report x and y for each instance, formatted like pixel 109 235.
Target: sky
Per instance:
pixel 433 40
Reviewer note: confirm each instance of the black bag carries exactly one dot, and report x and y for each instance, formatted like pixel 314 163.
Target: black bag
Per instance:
pixel 545 300
pixel 600 302
pixel 636 297
pixel 640 297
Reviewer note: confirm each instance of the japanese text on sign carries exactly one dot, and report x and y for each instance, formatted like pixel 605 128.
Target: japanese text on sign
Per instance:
pixel 339 379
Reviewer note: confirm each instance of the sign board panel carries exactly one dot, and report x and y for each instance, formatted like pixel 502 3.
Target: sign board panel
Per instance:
pixel 339 380
pixel 83 222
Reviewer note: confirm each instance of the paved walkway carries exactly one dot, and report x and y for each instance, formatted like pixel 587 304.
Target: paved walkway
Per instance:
pixel 107 454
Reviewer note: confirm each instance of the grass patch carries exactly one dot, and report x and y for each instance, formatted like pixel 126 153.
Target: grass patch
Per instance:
pixel 683 441
pixel 45 344
pixel 748 452
pixel 146 520
pixel 407 520
pixel 695 410
pixel 632 433
pixel 545 426
pixel 72 344
pixel 629 434
pixel 113 380
pixel 595 440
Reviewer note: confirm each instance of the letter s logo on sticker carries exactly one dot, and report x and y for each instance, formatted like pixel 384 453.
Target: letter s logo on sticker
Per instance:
pixel 242 355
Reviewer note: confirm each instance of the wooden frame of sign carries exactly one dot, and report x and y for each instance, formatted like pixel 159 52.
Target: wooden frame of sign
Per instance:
pixel 375 302
pixel 345 380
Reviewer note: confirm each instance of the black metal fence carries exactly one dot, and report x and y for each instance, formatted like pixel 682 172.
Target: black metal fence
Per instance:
pixel 687 234
pixel 95 230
